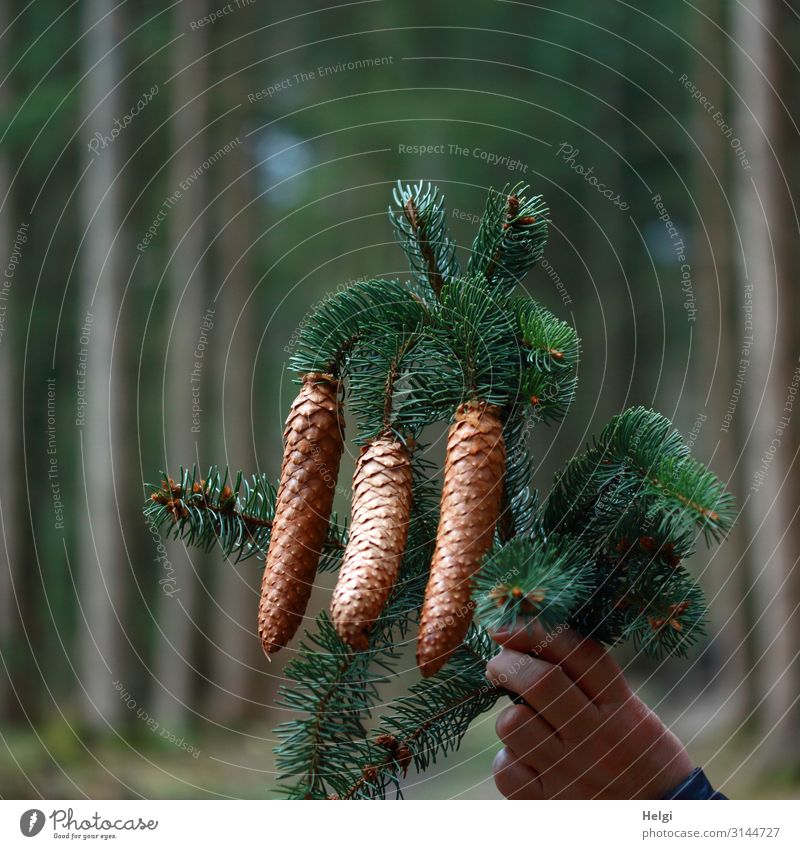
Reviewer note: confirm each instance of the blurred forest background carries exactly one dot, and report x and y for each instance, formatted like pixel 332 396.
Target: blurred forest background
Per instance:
pixel 180 182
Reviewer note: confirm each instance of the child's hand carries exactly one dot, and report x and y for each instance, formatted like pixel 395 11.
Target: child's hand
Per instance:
pixel 582 733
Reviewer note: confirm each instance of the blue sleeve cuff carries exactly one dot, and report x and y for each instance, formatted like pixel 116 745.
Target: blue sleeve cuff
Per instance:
pixel 696 786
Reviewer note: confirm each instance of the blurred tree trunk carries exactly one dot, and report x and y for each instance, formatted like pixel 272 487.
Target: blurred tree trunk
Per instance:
pixel 101 561
pixel 768 454
pixel 235 654
pixel 607 238
pixel 786 238
pixel 8 424
pixel 717 343
pixel 187 381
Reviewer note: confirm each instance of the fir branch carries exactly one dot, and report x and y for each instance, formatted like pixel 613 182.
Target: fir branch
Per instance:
pixel 367 309
pixel 333 694
pixel 633 565
pixel 604 555
pixel 206 512
pixel 665 619
pixel 334 691
pixel 511 237
pixel 430 721
pixel 638 458
pixel 380 395
pixel 696 489
pixel 419 228
pixel 520 500
pixel 552 350
pixel 472 349
pixel 419 222
pixel 547 579
pixel 550 394
pixel 636 498
pixel 553 345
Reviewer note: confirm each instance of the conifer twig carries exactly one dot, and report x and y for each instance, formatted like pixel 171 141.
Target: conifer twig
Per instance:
pixel 419 228
pixel 206 512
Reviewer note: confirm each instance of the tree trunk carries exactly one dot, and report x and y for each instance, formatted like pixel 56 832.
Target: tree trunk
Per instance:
pixel 786 239
pixel 101 562
pixel 766 501
pixel 188 382
pixel 9 420
pixel 716 340
pixel 236 657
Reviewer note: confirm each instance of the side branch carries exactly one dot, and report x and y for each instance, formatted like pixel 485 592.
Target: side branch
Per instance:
pixel 420 230
pixel 400 751
pixel 206 512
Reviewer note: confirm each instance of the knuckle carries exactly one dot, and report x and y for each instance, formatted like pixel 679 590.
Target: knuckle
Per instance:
pixel 582 723
pixel 590 649
pixel 542 678
pixel 511 719
pixel 618 695
pixel 550 675
pixel 497 669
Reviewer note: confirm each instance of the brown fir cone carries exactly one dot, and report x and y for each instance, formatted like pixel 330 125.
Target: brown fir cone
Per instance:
pixel 313 441
pixel 471 498
pixel 377 540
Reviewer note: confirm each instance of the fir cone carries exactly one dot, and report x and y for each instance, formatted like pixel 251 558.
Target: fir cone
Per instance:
pixel 471 498
pixel 377 540
pixel 313 441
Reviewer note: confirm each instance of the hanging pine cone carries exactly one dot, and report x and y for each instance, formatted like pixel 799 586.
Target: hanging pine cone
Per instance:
pixel 313 441
pixel 377 540
pixel 471 497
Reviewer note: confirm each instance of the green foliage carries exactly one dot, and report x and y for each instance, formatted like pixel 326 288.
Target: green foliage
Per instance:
pixel 546 578
pixel 603 554
pixel 331 330
pixel 473 347
pixel 381 394
pixel 639 462
pixel 420 223
pixel 520 499
pixel 429 722
pixel 671 617
pixel 553 345
pixel 511 237
pixel 548 379
pixel 638 500
pixel 236 515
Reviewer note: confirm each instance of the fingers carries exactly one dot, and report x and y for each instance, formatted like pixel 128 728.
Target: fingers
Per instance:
pixel 586 662
pixel 547 689
pixel 514 779
pixel 529 737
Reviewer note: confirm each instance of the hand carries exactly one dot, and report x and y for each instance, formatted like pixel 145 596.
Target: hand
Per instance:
pixel 582 733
